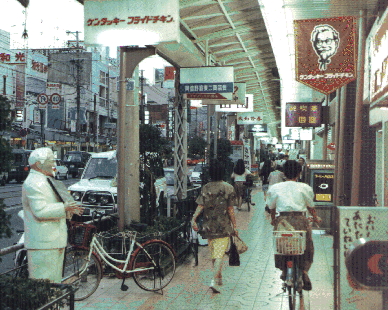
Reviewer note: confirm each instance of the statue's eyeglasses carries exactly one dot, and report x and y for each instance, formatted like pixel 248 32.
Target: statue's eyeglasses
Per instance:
pixel 327 41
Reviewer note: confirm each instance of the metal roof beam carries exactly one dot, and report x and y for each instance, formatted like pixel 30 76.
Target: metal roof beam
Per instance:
pixel 228 33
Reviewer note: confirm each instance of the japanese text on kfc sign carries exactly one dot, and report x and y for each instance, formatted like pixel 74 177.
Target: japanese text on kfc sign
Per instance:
pixel 303 114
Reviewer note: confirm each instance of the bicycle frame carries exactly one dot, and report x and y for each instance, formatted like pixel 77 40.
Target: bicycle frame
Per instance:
pixel 99 250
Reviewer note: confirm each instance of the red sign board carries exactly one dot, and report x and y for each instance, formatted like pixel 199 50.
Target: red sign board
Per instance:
pixel 303 114
pixel 325 52
pixel 331 146
pixel 169 73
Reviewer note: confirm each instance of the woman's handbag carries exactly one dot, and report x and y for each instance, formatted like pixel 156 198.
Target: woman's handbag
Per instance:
pixel 240 245
pixel 234 257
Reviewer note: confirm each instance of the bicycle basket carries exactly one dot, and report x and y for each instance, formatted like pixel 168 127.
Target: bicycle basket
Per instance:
pixel 80 234
pixel 289 242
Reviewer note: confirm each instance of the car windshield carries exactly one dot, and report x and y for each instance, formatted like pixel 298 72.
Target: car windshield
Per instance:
pixel 73 158
pixel 101 168
pixel 198 168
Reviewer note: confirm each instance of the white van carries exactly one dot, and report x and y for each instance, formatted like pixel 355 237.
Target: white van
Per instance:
pixel 97 188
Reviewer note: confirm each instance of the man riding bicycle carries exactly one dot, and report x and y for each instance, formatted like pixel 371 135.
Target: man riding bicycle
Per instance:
pixel 292 200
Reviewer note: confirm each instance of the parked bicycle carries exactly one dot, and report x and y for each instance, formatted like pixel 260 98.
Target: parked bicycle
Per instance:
pixel 292 245
pixel 152 264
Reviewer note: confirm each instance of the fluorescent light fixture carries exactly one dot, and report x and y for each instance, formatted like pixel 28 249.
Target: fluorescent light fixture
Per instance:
pixel 383 108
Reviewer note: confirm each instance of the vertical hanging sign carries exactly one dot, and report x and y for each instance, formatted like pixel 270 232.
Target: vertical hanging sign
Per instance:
pixel 325 52
pixel 20 85
pixel 247 154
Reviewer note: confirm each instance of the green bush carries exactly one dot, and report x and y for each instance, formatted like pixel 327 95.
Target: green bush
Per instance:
pixel 26 294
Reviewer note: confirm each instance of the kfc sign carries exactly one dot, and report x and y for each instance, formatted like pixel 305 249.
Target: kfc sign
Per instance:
pixel 325 52
pixel 131 22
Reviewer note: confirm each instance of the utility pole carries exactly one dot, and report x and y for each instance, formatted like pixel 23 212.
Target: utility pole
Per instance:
pixel 78 81
pixel 142 110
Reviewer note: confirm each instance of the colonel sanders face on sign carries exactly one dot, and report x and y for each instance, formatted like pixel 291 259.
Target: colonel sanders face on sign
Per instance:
pixel 325 41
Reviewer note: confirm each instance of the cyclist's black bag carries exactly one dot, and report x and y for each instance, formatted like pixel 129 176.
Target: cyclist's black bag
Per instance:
pixel 234 257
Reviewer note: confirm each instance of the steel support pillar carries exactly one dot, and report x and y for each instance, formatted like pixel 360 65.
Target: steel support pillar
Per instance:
pixel 357 140
pixel 180 153
pixel 128 157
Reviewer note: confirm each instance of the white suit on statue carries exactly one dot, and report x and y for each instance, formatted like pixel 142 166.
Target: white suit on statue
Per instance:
pixel 45 228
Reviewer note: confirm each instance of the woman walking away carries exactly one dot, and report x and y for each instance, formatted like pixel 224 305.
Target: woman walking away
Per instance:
pixel 240 176
pixel 264 174
pixel 219 223
pixel 292 200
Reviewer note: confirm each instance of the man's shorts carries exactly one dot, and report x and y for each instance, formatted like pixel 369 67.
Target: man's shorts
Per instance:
pixel 218 247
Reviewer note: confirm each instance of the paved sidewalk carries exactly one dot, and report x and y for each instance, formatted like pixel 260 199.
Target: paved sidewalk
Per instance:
pixel 253 285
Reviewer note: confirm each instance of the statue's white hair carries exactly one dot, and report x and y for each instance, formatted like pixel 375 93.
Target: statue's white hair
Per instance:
pixel 40 155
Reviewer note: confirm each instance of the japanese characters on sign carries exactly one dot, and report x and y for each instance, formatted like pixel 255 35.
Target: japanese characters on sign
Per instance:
pixel 247 154
pixel 323 186
pixel 239 99
pixel 303 114
pixel 355 223
pixel 325 52
pixel 130 22
pixel 248 118
pixel 20 85
pixel 215 83
pixel 378 40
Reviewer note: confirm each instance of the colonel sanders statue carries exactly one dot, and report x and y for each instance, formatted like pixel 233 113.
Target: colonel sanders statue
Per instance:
pixel 44 219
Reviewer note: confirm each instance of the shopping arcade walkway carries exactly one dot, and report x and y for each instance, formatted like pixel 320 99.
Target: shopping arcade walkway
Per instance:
pixel 253 285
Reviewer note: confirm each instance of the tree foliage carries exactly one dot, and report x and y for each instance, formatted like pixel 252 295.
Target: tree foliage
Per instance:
pixel 196 146
pixel 5 125
pixel 151 140
pixel 224 149
pixel 5 158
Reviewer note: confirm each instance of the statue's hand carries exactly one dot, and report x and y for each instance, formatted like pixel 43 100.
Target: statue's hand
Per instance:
pixel 73 208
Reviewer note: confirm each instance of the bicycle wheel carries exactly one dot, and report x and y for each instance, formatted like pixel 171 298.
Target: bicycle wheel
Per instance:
pixel 158 255
pixel 85 281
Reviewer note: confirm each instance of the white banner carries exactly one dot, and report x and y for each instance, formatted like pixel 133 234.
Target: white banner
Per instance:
pixel 247 154
pixel 131 22
pixel 225 107
pixel 250 118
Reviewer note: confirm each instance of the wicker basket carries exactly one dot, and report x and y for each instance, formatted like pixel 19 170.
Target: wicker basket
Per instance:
pixel 80 234
pixel 289 242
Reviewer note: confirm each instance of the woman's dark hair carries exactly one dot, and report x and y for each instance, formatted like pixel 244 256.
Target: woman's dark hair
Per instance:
pixel 216 170
pixel 279 167
pixel 291 169
pixel 239 168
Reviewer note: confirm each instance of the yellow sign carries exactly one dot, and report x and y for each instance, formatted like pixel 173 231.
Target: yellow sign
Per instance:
pixel 323 197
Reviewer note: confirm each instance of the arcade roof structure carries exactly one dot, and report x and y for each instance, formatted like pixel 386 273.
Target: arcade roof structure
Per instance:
pixel 256 37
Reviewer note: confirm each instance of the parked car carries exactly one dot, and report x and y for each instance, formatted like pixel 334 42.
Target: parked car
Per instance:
pixel 60 169
pixel 97 189
pixel 170 177
pixel 196 175
pixel 19 166
pixel 75 160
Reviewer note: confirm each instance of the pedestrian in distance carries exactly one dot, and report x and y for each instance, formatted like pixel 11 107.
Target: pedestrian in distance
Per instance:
pixel 302 177
pixel 275 177
pixel 44 219
pixel 293 200
pixel 264 175
pixel 216 201
pixel 239 176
